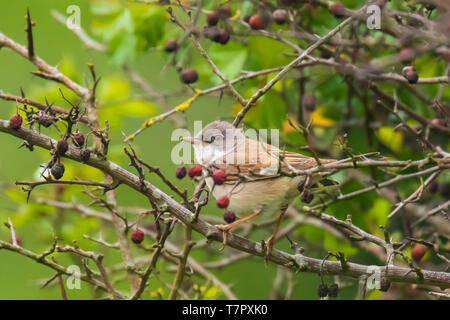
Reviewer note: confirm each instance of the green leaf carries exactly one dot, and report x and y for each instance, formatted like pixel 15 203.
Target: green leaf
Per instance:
pixel 229 59
pixel 210 293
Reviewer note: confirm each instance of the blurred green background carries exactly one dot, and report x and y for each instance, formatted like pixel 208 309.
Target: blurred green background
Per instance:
pixel 122 104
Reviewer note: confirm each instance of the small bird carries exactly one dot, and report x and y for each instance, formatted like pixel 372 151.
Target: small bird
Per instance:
pixel 255 184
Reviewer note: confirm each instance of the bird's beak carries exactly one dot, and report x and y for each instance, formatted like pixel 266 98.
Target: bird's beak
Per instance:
pixel 189 139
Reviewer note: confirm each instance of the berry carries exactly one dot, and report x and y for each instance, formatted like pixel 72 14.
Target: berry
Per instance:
pixel 433 187
pixel 57 171
pixel 78 139
pixel 280 16
pixel 256 22
pixel 444 190
pixel 307 196
pixel 385 284
pixel 181 172
pixel 217 35
pixel 189 76
pixel 322 291
pixel 309 102
pixel 417 252
pixel 247 18
pixel 212 18
pixel 16 121
pixel 333 290
pixel 137 236
pixel 171 46
pixel 301 186
pixel 224 36
pixel 219 177
pixel 437 122
pixel 223 202
pixel 45 120
pixel 85 155
pixel 406 54
pixel 229 216
pixel 195 171
pixel 410 74
pixel 338 10
pixel 224 12
pixel 61 147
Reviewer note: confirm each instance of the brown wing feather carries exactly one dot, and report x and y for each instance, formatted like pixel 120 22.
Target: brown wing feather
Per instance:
pixel 251 170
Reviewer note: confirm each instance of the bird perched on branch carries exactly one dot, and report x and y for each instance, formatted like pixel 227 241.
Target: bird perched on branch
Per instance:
pixel 261 180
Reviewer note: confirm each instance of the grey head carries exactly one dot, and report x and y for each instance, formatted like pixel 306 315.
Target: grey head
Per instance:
pixel 219 131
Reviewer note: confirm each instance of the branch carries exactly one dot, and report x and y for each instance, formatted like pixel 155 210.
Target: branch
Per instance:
pixel 294 262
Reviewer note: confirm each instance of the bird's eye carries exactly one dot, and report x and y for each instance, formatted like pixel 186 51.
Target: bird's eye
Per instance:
pixel 209 139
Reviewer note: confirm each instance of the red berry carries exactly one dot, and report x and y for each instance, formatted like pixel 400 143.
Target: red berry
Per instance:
pixel 189 76
pixel 219 177
pixel 417 252
pixel 171 46
pixel 78 139
pixel 437 122
pixel 406 54
pixel 229 216
pixel 181 172
pixel 212 18
pixel 223 202
pixel 137 236
pixel 195 171
pixel 62 147
pixel 280 16
pixel 16 121
pixel 338 10
pixel 256 22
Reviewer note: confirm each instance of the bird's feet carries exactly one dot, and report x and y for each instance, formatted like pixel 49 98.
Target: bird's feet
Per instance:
pixel 225 228
pixel 268 245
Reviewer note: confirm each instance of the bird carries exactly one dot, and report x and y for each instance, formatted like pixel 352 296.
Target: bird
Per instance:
pixel 255 184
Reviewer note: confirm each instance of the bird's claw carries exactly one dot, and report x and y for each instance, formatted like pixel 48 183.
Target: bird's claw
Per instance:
pixel 225 229
pixel 268 245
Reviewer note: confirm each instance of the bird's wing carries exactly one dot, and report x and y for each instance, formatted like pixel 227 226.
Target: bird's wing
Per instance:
pixel 266 164
pixel 301 162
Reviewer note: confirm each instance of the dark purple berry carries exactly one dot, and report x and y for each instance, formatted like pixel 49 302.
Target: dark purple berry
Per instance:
pixel 333 290
pixel 171 46
pixel 62 147
pixel 189 76
pixel 229 216
pixel 280 16
pixel 85 155
pixel 212 18
pixel 309 102
pixel 57 171
pixel 410 73
pixel 385 284
pixel 338 10
pixel 307 196
pixel 322 291
pixel 181 172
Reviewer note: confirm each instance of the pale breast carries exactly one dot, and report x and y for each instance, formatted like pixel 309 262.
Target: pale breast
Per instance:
pixel 267 196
